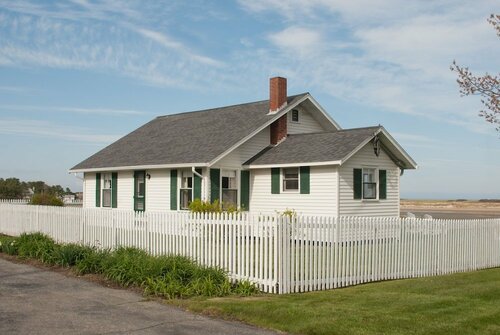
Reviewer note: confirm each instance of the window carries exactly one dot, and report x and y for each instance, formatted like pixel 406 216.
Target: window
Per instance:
pixel 369 184
pixel 291 179
pixel 186 191
pixel 229 189
pixel 106 190
pixel 295 115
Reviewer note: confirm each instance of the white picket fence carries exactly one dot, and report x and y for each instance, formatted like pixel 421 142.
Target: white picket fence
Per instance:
pixel 14 201
pixel 279 254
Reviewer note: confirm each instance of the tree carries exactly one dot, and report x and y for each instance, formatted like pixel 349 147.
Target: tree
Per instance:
pixel 11 188
pixel 487 86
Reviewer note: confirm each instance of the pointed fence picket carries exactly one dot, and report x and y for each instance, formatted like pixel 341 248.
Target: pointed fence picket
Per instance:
pixel 280 254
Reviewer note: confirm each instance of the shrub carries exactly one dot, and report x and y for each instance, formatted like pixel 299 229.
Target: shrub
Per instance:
pixel 199 206
pixel 46 200
pixel 71 254
pixel 37 246
pixel 92 262
pixel 8 245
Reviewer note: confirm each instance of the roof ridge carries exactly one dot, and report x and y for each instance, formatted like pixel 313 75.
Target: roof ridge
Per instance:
pixel 229 106
pixel 335 131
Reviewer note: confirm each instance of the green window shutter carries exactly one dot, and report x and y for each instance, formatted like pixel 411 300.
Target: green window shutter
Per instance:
pixel 197 185
pixel 114 190
pixel 245 190
pixel 305 180
pixel 358 183
pixel 173 190
pixel 98 190
pixel 382 188
pixel 214 184
pixel 275 181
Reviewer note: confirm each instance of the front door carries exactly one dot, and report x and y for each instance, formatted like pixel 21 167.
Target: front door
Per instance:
pixel 140 190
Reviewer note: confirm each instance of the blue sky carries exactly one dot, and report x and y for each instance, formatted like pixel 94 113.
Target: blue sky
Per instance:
pixel 77 75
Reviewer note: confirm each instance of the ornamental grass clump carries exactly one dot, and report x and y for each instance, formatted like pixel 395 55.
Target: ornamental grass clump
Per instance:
pixel 168 276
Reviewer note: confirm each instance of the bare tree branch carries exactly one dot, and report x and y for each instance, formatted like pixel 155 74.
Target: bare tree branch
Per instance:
pixel 487 86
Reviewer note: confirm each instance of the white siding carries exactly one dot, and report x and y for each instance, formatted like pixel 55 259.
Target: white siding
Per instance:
pixel 322 199
pixel 89 190
pixel 366 158
pixel 306 124
pixel 246 151
pixel 126 190
pixel 158 190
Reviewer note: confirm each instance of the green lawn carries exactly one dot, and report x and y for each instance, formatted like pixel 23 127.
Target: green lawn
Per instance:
pixel 464 303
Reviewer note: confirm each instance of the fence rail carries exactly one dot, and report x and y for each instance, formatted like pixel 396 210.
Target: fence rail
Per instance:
pixel 279 254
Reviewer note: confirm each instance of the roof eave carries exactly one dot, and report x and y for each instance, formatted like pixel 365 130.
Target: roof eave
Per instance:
pixel 139 167
pixel 267 166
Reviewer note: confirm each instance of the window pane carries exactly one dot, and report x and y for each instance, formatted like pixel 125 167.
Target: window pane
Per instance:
pixel 185 198
pixel 229 198
pixel 369 190
pixel 225 182
pixel 368 175
pixel 292 184
pixel 291 173
pixel 106 198
pixel 141 189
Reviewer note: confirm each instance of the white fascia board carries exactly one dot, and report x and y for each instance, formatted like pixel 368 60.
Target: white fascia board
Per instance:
pixel 324 112
pixel 400 148
pixel 267 166
pixel 393 142
pixel 141 167
pixel 243 140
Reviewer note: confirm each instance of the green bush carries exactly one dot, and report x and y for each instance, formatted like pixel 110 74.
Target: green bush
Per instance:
pixel 71 254
pixel 45 199
pixel 92 262
pixel 199 206
pixel 8 245
pixel 37 246
pixel 168 276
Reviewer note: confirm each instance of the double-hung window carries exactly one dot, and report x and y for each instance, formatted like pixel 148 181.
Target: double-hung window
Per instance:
pixel 369 184
pixel 186 190
pixel 229 189
pixel 106 190
pixel 291 179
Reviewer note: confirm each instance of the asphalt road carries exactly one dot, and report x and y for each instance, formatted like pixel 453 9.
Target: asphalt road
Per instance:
pixel 452 214
pixel 38 301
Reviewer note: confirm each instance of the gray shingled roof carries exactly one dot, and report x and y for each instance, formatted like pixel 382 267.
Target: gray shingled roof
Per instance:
pixel 194 137
pixel 315 147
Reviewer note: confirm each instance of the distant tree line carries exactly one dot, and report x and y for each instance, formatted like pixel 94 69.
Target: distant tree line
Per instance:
pixel 13 188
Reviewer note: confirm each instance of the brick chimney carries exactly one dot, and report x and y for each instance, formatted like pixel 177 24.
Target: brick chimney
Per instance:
pixel 278 100
pixel 277 94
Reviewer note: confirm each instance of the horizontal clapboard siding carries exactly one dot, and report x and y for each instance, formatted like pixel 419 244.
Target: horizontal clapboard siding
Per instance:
pixel 126 190
pixel 306 124
pixel 322 199
pixel 158 190
pixel 246 151
pixel 89 190
pixel 366 158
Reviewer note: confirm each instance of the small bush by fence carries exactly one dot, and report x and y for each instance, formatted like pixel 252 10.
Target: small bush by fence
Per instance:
pixel 280 254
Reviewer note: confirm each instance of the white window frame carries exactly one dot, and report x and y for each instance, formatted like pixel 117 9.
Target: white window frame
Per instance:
pixel 228 173
pixel 283 180
pixel 106 176
pixel 375 177
pixel 188 174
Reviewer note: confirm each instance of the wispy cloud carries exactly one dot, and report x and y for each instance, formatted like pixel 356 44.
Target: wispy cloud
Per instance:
pixel 79 110
pixel 390 55
pixel 103 36
pixel 38 128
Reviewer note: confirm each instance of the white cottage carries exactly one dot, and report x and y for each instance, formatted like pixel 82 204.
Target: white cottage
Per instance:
pixel 266 156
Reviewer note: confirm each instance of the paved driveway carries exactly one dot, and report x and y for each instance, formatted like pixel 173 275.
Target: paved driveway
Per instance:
pixel 37 301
